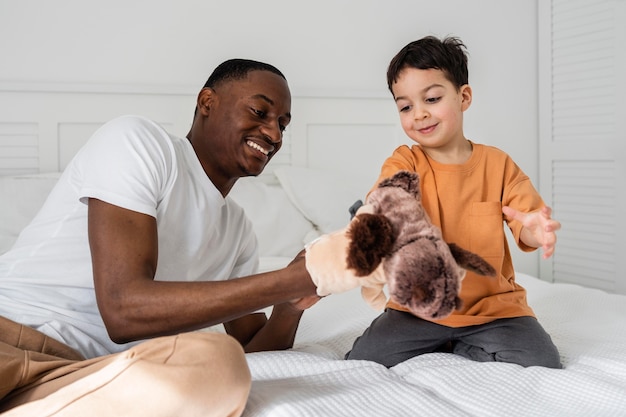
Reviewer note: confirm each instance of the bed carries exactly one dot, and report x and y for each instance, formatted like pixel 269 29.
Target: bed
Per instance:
pixel 312 379
pixel 305 192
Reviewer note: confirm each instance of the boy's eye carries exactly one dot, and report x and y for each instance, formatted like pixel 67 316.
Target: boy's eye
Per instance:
pixel 404 108
pixel 433 99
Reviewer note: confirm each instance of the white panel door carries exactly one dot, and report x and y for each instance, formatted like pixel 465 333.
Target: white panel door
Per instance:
pixel 582 112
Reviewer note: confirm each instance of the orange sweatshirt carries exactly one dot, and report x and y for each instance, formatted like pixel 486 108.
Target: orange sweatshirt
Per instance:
pixel 466 201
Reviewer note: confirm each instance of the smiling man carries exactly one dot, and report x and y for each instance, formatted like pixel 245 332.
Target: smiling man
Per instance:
pixel 138 245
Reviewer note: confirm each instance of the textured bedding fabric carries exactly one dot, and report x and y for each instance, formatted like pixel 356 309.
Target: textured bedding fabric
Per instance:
pixel 587 325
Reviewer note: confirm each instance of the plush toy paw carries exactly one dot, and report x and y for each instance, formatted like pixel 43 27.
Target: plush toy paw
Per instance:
pixel 373 288
pixel 326 263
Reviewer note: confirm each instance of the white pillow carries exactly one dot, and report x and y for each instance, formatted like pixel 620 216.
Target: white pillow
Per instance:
pixel 281 229
pixel 323 196
pixel 21 197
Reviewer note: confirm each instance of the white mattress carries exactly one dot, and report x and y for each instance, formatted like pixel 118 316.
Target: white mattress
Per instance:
pixel 588 326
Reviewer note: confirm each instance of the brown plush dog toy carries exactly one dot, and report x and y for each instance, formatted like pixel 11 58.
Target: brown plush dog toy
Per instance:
pixel 391 241
pixel 423 272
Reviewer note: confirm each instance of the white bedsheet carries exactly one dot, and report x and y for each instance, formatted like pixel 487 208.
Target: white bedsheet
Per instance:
pixel 588 326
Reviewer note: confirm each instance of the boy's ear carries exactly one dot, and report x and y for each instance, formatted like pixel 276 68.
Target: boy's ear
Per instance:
pixel 466 97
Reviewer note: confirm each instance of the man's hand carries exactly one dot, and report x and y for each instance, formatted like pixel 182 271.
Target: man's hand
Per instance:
pixel 539 229
pixel 301 304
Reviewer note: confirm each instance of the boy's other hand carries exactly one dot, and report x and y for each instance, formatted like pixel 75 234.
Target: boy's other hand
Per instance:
pixel 539 228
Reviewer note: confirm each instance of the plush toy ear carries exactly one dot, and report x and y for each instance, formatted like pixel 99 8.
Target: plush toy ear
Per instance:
pixel 371 238
pixel 470 261
pixel 406 180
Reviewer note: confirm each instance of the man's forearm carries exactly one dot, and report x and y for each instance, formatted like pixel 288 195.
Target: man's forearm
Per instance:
pixel 279 331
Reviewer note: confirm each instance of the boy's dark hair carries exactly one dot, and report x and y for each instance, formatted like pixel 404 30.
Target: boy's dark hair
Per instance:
pixel 448 55
pixel 236 69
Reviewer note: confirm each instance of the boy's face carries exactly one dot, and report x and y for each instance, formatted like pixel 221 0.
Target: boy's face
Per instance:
pixel 431 108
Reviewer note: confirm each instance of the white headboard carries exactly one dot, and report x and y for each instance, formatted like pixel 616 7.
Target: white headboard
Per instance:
pixel 42 126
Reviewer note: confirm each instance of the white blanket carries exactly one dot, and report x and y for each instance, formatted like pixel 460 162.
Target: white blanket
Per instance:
pixel 588 326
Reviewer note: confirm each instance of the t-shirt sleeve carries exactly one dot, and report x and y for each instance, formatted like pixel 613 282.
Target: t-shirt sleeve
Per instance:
pixel 127 163
pixel 520 194
pixel 400 160
pixel 247 262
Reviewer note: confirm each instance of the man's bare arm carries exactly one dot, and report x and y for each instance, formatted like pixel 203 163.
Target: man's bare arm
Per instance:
pixel 134 306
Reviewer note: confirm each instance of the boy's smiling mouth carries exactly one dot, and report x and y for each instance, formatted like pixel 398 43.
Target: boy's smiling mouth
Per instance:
pixel 427 129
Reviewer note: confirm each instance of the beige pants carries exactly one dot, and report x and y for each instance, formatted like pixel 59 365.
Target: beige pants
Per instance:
pixel 191 374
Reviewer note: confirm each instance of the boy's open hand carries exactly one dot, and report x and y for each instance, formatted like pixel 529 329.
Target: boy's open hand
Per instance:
pixel 539 228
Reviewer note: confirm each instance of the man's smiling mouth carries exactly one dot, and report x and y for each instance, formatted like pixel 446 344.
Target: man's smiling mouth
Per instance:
pixel 258 147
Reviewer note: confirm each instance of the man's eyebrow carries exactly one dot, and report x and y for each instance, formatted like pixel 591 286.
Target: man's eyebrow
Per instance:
pixel 270 101
pixel 424 90
pixel 264 97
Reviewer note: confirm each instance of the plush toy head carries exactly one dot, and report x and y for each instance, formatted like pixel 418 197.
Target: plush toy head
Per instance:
pixel 423 272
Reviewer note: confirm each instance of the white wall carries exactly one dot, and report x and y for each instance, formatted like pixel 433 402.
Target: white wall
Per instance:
pixel 326 47
pixel 323 47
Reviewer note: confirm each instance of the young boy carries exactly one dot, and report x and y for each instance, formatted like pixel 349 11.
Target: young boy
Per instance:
pixel 466 189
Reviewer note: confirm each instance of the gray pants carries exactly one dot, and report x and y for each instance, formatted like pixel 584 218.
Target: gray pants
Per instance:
pixel 396 336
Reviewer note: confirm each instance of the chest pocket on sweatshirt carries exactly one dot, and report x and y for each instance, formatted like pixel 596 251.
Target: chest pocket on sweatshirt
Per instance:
pixel 487 229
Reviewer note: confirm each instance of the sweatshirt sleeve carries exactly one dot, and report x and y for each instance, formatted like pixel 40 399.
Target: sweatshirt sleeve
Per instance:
pixel 520 194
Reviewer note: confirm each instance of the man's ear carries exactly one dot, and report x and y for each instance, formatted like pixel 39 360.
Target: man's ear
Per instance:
pixel 206 97
pixel 466 96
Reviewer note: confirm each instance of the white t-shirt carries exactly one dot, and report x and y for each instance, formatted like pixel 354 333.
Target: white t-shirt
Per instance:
pixel 46 279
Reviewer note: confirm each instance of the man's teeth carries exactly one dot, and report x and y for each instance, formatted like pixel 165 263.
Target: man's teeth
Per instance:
pixel 257 147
